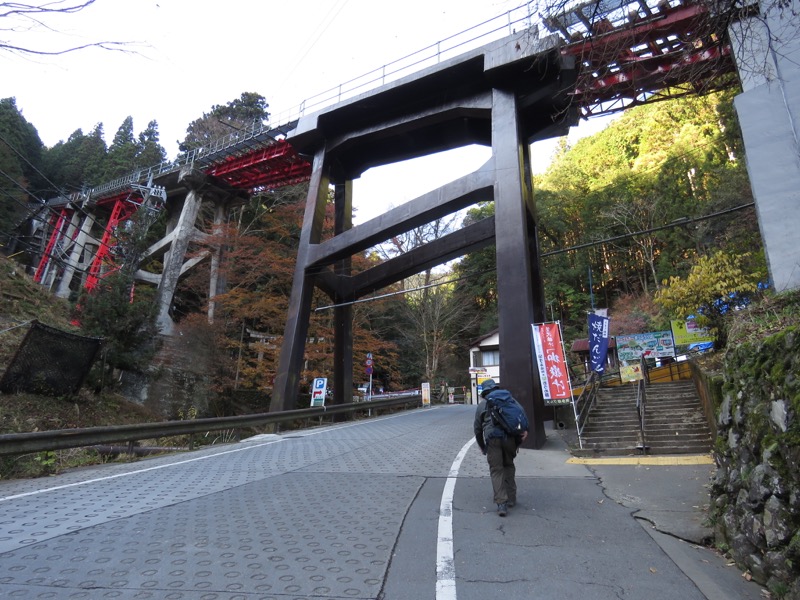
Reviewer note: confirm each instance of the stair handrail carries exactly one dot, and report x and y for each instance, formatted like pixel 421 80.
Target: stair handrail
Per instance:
pixel 641 405
pixel 584 403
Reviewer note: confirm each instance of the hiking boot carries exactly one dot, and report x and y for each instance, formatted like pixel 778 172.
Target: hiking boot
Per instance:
pixel 502 509
pixel 511 503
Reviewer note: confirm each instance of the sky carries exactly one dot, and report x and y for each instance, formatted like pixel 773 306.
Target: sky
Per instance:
pixel 182 58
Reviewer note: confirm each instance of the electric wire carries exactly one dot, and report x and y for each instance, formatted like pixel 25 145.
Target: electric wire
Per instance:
pixel 677 223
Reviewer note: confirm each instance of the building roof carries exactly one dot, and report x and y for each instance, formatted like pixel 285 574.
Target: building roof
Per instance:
pixel 583 345
pixel 477 341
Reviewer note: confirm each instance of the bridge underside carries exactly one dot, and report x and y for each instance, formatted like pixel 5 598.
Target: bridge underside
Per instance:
pixel 505 96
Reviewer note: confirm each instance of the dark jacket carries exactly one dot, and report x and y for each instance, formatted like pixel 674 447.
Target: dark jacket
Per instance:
pixel 483 427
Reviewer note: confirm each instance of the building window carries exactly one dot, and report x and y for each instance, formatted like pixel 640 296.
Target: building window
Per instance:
pixel 476 359
pixel 490 358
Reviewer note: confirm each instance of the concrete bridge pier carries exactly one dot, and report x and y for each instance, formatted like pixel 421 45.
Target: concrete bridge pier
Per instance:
pixel 504 95
pixel 519 284
pixel 80 247
pixel 343 312
pixel 767 48
pixel 181 232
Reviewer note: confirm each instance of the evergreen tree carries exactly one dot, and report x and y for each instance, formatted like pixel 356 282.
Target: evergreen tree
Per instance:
pixel 125 321
pixel 79 162
pixel 121 157
pixel 237 116
pixel 20 161
pixel 149 151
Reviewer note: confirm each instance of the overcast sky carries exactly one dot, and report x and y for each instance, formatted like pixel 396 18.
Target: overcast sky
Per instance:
pixel 185 57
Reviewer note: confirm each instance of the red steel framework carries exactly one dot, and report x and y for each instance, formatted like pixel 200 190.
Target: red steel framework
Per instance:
pixel 650 54
pixel 57 222
pixel 123 208
pixel 274 166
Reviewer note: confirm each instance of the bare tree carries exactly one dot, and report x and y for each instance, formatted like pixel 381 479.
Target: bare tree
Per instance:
pixel 636 215
pixel 436 319
pixel 21 17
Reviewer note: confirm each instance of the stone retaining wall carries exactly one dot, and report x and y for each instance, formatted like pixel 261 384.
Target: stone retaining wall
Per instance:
pixel 756 492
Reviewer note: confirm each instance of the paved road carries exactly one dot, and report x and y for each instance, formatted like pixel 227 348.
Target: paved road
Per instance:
pixel 398 507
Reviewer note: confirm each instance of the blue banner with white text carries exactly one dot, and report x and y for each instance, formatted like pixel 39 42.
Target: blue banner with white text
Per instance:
pixel 598 342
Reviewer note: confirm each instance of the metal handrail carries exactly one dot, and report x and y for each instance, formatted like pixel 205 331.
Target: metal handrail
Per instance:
pixel 282 122
pixel 641 405
pixel 584 403
pixel 40 441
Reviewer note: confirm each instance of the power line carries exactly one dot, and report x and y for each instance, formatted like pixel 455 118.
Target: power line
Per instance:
pixel 397 293
pixel 676 223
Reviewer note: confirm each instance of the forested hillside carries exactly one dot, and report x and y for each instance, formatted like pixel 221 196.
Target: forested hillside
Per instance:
pixel 657 165
pixel 625 219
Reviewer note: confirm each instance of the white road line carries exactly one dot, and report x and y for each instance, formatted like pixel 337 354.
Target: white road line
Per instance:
pixel 249 446
pixel 127 473
pixel 445 561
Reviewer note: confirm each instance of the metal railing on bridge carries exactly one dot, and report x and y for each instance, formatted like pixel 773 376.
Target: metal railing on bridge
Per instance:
pixel 261 134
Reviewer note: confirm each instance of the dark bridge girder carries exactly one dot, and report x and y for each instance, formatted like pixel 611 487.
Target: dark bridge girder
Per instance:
pixel 504 95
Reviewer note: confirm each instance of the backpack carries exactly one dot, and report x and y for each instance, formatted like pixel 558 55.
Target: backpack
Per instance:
pixel 506 413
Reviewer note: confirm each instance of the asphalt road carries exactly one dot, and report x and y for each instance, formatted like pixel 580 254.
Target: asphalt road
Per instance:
pixel 396 507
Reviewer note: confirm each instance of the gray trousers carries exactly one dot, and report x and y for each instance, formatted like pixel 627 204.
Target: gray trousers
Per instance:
pixel 500 452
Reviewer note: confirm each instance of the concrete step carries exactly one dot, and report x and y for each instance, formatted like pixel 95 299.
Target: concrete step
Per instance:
pixel 674 421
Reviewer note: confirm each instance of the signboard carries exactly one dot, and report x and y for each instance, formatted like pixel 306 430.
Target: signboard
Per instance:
pixel 656 344
pixel 318 391
pixel 598 342
pixel 368 364
pixel 688 335
pixel 479 382
pixel 426 394
pixel 630 372
pixel 553 375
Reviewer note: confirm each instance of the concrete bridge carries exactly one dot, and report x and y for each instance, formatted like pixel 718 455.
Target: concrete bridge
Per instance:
pixel 532 84
pixel 393 508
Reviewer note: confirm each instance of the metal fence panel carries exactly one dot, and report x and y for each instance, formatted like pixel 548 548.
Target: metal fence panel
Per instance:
pixel 50 362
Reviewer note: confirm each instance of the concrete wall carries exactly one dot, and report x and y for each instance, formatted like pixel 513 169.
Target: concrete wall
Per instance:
pixel 767 50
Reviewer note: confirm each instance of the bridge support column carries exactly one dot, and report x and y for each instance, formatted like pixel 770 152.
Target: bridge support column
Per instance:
pixel 287 379
pixel 216 283
pixel 78 248
pixel 519 284
pixel 343 315
pixel 173 260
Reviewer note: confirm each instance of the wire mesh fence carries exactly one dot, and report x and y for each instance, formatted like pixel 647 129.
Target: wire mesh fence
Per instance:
pixel 50 362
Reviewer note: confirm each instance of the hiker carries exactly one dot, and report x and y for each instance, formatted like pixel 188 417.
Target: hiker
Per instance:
pixel 499 441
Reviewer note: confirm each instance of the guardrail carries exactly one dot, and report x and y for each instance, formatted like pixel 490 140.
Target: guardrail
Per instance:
pixel 61 439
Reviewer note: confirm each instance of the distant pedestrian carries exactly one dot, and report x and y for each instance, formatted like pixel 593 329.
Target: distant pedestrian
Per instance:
pixel 499 446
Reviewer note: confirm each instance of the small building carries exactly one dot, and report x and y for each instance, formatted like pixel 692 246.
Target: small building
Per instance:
pixel 580 348
pixel 484 362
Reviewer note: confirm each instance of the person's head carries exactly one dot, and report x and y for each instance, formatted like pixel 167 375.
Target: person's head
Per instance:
pixel 487 386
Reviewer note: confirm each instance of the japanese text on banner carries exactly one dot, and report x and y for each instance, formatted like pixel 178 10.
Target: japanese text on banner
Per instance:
pixel 556 386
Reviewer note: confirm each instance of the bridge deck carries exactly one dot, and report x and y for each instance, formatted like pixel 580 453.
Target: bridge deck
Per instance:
pixel 345 511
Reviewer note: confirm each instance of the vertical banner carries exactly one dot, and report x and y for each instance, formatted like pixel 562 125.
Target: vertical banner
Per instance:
pixel 553 374
pixel 318 391
pixel 426 393
pixel 598 342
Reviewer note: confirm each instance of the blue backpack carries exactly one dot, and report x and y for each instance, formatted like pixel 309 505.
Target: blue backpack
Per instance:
pixel 506 413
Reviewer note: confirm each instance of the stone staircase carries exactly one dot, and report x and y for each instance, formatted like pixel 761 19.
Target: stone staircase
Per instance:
pixel 674 421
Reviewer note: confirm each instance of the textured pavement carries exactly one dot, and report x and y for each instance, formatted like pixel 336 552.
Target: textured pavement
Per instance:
pixel 351 511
